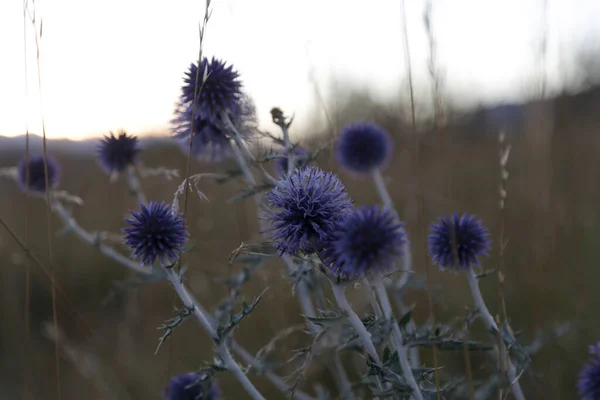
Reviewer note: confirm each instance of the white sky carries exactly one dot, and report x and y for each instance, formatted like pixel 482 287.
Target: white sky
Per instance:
pixel 115 64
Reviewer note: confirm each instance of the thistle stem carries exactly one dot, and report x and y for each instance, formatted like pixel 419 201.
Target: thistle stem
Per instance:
pixel 135 186
pixel 92 239
pixel 493 328
pixel 230 364
pixel 398 340
pixel 355 322
pixel 382 190
pixel 386 199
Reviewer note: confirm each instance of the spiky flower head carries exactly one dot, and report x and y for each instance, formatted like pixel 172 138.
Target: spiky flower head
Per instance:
pixel 456 241
pixel 370 240
pixel 155 232
pixel 211 136
pixel 37 174
pixel 218 88
pixel 363 147
pixel 116 153
pixel 189 386
pixel 300 158
pixel 588 383
pixel 304 210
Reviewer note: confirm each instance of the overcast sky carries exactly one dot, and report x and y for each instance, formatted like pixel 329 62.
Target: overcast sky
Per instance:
pixel 115 64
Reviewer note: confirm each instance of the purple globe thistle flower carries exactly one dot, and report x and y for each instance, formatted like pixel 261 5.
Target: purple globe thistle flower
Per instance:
pixel 466 233
pixel 211 139
pixel 155 232
pixel 116 153
pixel 304 209
pixel 37 174
pixel 300 159
pixel 189 386
pixel 218 88
pixel 363 147
pixel 588 383
pixel 370 240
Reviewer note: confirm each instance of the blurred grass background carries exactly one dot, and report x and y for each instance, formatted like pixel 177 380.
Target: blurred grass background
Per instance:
pixel 552 227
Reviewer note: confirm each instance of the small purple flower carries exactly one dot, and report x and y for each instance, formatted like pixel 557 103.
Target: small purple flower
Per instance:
pixel 116 153
pixel 300 158
pixel 468 235
pixel 155 232
pixel 189 386
pixel 304 209
pixel 588 383
pixel 370 240
pixel 37 174
pixel 363 147
pixel 218 88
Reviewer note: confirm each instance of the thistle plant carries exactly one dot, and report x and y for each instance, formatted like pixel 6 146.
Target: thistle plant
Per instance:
pixel 324 242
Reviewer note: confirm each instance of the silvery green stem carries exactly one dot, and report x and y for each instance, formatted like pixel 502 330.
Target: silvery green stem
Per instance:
pixel 241 160
pixel 493 327
pixel 386 199
pixel 230 364
pixel 355 321
pixel 135 185
pixel 288 146
pixel 398 340
pixel 306 304
pixel 92 239
pixel 382 190
pixel 357 325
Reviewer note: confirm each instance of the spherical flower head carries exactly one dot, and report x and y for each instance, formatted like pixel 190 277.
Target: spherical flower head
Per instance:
pixel 363 147
pixel 37 174
pixel 155 232
pixel 466 233
pixel 588 383
pixel 116 153
pixel 304 210
pixel 369 241
pixel 218 87
pixel 211 139
pixel 190 387
pixel 300 159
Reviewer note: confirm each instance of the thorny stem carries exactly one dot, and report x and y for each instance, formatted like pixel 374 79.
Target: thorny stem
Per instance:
pixel 230 364
pixel 398 340
pixel 407 260
pixel 357 325
pixel 135 186
pixel 93 240
pixel 492 327
pixel 355 321
pixel 382 190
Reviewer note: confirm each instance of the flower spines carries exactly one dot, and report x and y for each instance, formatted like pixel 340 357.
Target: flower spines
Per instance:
pixel 116 153
pixel 156 232
pixel 456 242
pixel 363 147
pixel 189 386
pixel 370 240
pixel 37 173
pixel 218 88
pixel 304 210
pixel 588 383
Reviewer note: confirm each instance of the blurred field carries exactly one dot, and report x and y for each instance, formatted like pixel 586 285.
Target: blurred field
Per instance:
pixel 552 225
